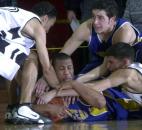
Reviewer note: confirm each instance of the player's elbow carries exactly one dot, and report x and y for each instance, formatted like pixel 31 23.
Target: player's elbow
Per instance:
pixel 100 102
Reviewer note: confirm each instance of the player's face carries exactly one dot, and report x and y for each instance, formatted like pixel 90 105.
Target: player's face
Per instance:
pixel 114 64
pixel 64 70
pixel 101 22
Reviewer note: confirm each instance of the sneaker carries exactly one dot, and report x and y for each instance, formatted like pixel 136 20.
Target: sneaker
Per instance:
pixel 25 115
pixel 9 113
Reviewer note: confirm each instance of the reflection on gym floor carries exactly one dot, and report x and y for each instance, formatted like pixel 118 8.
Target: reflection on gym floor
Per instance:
pixel 109 125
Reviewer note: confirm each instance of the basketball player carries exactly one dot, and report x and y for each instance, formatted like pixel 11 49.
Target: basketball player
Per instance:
pixel 101 31
pixel 19 31
pixel 121 70
pixel 92 106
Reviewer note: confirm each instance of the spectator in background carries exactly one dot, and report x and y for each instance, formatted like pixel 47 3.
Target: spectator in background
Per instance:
pixel 78 10
pixel 73 9
pixel 121 6
pixel 133 13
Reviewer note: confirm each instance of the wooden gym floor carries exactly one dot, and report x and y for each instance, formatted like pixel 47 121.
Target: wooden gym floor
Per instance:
pixel 107 125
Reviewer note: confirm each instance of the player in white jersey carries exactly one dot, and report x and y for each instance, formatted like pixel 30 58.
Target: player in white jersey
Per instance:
pixel 15 47
pixel 19 31
pixel 135 96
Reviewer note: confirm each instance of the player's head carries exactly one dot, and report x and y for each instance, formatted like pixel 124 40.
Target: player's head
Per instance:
pixel 44 8
pixel 63 66
pixel 47 12
pixel 119 55
pixel 104 14
pixel 109 6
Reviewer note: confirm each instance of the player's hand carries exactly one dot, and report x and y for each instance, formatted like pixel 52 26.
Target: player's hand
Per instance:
pixel 71 15
pixel 40 87
pixel 69 100
pixel 58 110
pixel 47 97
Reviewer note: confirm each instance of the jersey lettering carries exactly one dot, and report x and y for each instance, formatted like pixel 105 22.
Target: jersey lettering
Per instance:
pixel 11 9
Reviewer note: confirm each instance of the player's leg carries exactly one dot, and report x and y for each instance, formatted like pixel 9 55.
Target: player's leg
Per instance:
pixel 24 113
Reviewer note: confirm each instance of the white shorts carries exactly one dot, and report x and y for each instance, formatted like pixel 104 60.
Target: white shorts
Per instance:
pixel 11 57
pixel 8 68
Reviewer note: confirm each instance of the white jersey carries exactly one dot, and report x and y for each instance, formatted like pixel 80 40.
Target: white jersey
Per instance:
pixel 135 96
pixel 137 66
pixel 14 47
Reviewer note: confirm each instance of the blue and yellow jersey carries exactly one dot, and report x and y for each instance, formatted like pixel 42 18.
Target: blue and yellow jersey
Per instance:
pixel 118 106
pixel 79 111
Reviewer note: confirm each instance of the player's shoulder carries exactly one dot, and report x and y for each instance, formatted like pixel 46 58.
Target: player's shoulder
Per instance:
pixel 87 24
pixel 126 27
pixel 85 27
pixel 126 72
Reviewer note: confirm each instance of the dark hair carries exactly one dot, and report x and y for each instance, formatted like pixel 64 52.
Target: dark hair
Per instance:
pixel 44 8
pixel 59 56
pixel 110 6
pixel 121 50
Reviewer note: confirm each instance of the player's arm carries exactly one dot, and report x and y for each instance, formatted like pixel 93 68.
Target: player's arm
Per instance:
pixel 78 37
pixel 117 78
pixel 37 32
pixel 91 96
pixel 124 34
pixel 68 92
pixel 94 73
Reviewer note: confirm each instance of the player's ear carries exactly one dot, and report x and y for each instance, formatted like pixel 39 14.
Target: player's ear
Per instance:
pixel 44 18
pixel 113 18
pixel 126 62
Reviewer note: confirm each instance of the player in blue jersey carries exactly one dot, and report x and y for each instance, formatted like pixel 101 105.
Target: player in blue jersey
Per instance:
pixel 101 31
pixel 97 100
pixel 122 71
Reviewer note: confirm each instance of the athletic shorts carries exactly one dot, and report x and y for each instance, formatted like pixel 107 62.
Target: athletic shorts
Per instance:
pixel 11 58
